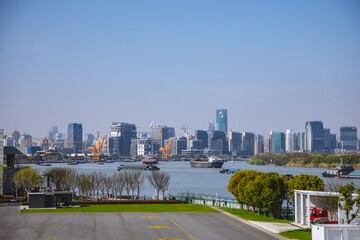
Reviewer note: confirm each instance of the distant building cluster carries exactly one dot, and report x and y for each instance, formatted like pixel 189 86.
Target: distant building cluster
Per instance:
pixel 124 139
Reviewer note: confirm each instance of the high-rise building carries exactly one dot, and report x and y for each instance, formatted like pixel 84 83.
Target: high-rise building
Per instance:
pixel 267 143
pixel 177 145
pixel 348 138
pixel 89 139
pixel 258 144
pixel 289 141
pixel 301 141
pixel 26 140
pixel 235 142
pixel 202 136
pixel 218 142
pixel 314 135
pixel 221 120
pixel 74 137
pixel 277 142
pixel 329 141
pixel 143 147
pixel 15 135
pixel 247 144
pixel 211 127
pixel 53 131
pixel 121 135
pixel 161 133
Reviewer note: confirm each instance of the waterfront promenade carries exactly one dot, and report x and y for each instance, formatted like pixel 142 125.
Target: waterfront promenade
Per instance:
pixel 127 226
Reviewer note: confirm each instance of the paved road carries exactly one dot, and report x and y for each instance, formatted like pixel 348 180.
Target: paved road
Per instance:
pixel 126 226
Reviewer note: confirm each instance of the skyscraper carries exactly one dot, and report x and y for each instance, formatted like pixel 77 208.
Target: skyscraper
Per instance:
pixel 314 136
pixel 348 138
pixel 277 142
pixel 202 136
pixel 290 141
pixel 74 136
pixel 211 127
pixel 247 144
pixel 161 133
pixel 218 141
pixel 221 120
pixel 235 142
pixel 121 135
pixel 258 144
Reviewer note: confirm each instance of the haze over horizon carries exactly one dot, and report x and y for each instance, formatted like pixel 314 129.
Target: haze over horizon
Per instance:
pixel 273 64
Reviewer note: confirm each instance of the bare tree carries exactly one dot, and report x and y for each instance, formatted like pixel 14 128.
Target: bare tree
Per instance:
pixel 138 182
pixel 119 182
pixel 84 184
pixel 160 181
pixel 127 182
pixel 101 183
pixel 108 185
pixel 164 183
pixel 70 179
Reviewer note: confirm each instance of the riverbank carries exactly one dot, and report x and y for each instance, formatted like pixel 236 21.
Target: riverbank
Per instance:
pixel 305 160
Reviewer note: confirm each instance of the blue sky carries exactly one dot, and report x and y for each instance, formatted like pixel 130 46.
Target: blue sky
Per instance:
pixel 272 64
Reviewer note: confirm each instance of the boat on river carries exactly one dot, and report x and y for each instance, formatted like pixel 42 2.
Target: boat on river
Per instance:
pixel 338 171
pixel 137 167
pixel 148 160
pixel 211 162
pixel 228 171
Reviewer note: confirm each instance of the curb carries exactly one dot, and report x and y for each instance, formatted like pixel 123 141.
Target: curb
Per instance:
pixel 278 236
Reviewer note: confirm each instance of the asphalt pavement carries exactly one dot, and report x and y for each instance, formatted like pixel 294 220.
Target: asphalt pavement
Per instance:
pixel 126 226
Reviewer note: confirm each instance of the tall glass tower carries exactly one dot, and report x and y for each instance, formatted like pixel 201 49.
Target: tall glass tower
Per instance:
pixel 314 136
pixel 221 120
pixel 74 136
pixel 348 138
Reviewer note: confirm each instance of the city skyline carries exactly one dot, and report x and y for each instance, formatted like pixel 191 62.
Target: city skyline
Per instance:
pixel 272 65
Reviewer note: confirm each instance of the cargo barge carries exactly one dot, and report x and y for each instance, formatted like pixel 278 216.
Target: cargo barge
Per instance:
pixel 137 167
pixel 211 162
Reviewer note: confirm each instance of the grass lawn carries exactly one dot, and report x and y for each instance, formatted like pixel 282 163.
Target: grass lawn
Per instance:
pixel 247 215
pixel 301 234
pixel 127 208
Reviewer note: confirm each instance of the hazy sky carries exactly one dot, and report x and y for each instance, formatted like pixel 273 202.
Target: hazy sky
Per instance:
pixel 272 64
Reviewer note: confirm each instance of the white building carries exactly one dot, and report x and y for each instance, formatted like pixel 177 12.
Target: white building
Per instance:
pixel 307 200
pixel 289 141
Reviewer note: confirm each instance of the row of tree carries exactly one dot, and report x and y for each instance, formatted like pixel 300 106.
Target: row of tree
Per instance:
pixel 93 184
pixel 303 159
pixel 267 191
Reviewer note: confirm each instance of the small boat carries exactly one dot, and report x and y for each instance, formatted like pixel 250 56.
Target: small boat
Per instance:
pixel 228 171
pixel 338 171
pixel 45 164
pixel 149 161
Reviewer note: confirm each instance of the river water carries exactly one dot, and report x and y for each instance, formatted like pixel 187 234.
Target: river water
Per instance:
pixel 197 180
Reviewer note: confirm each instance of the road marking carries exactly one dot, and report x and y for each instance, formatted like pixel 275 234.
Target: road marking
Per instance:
pixel 170 239
pixel 159 227
pixel 257 236
pixel 182 229
pixel 150 217
pixel 52 237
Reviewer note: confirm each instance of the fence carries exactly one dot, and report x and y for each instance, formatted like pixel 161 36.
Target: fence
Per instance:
pixel 214 200
pixel 210 200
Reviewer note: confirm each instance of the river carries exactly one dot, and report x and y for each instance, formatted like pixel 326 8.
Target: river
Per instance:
pixel 197 180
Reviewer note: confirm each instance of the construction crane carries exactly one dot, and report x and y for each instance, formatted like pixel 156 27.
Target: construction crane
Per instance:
pixel 166 151
pixel 97 148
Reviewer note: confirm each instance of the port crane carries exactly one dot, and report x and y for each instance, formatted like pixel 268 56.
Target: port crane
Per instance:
pixel 97 148
pixel 166 151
